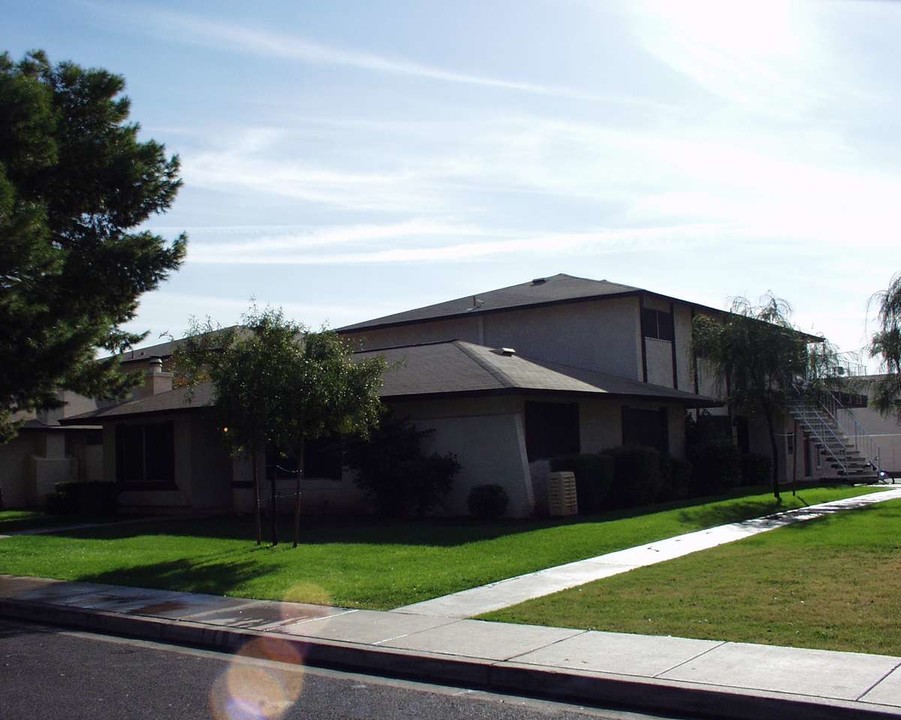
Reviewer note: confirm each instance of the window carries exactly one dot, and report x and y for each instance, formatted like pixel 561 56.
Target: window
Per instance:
pixel 551 429
pixel 646 428
pixel 657 324
pixel 323 458
pixel 145 454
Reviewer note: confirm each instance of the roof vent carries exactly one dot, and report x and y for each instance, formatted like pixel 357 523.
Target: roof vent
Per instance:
pixel 476 303
pixel 539 281
pixel 504 351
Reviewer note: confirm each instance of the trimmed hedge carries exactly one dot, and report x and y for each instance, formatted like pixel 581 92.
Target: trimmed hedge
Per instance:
pixel 594 478
pixel 94 498
pixel 487 502
pixel 756 469
pixel 637 478
pixel 717 465
pixel 677 478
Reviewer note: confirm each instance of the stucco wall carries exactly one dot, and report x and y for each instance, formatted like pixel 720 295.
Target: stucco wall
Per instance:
pixel 600 335
pixel 13 472
pixel 209 478
pixel 682 326
pixel 885 432
pixel 659 354
pixel 31 465
pixel 488 437
pixel 490 449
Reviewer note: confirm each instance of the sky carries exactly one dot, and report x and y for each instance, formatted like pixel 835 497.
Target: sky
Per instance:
pixel 345 159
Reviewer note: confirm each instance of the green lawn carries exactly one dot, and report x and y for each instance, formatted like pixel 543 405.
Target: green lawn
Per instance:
pixel 371 564
pixel 833 583
pixel 18 520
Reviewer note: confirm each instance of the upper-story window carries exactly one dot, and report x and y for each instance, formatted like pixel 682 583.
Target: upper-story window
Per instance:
pixel 657 324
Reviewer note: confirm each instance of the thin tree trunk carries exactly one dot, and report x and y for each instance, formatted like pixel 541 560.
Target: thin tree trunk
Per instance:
pixel 795 459
pixel 300 463
pixel 772 432
pixel 258 509
pixel 272 509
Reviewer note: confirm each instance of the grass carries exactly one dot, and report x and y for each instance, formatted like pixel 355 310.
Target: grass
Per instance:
pixel 369 564
pixel 19 520
pixel 832 584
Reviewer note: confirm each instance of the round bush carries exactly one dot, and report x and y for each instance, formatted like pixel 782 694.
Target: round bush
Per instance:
pixel 487 502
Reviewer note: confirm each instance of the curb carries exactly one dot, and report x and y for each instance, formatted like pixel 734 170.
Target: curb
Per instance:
pixel 508 677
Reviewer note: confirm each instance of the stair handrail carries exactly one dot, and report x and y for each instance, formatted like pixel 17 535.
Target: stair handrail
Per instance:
pixel 845 421
pixel 863 440
pixel 803 394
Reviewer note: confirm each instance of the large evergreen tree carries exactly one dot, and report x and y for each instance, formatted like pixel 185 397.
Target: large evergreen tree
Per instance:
pixel 75 184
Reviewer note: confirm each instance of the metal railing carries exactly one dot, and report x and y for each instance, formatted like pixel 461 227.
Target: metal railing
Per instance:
pixel 836 429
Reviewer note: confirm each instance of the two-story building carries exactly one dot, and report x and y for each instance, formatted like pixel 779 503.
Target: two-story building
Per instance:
pixel 504 378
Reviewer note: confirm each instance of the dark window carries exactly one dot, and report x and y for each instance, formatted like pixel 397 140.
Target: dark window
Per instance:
pixel 145 454
pixel 322 459
pixel 551 429
pixel 742 434
pixel 657 324
pixel 646 428
pixel 159 452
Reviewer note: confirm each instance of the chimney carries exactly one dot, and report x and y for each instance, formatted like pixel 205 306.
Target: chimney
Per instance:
pixel 155 380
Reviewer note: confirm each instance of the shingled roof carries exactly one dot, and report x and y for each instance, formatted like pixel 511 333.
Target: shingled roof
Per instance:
pixel 457 368
pixel 540 291
pixel 442 370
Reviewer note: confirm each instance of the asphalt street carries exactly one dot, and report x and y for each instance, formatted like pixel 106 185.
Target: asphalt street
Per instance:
pixel 51 673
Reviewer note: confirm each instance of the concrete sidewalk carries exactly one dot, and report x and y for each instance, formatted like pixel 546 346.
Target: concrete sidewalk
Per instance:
pixel 435 643
pixel 664 675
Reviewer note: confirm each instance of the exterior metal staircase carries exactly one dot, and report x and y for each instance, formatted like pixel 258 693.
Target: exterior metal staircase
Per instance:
pixel 849 450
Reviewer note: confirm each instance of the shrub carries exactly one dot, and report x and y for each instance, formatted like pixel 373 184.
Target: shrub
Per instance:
pixel 716 463
pixel 395 473
pixel 637 479
pixel 83 498
pixel 676 478
pixel 487 502
pixel 755 469
pixel 594 476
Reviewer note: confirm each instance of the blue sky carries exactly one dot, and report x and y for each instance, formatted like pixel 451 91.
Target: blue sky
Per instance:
pixel 345 160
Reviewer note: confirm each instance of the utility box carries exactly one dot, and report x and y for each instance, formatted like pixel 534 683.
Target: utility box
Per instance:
pixel 561 494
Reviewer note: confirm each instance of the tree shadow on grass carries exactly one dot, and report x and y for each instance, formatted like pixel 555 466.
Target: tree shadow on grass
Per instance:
pixel 726 514
pixel 324 530
pixel 216 577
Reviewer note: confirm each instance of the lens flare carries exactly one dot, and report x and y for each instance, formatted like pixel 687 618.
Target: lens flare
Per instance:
pixel 248 691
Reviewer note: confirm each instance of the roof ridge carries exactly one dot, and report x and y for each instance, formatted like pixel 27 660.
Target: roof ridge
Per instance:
pixel 492 370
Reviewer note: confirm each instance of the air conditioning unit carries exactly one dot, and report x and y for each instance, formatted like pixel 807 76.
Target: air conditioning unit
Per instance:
pixel 561 492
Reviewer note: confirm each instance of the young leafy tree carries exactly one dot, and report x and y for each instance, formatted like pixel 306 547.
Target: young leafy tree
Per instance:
pixel 326 393
pixel 248 365
pixel 75 182
pixel 756 353
pixel 886 344
pixel 277 384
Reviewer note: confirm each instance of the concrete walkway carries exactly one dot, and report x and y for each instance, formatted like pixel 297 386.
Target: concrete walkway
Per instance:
pixel 513 591
pixel 666 675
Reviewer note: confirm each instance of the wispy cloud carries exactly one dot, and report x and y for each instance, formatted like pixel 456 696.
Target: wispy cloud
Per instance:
pixel 805 184
pixel 484 244
pixel 264 42
pixel 269 244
